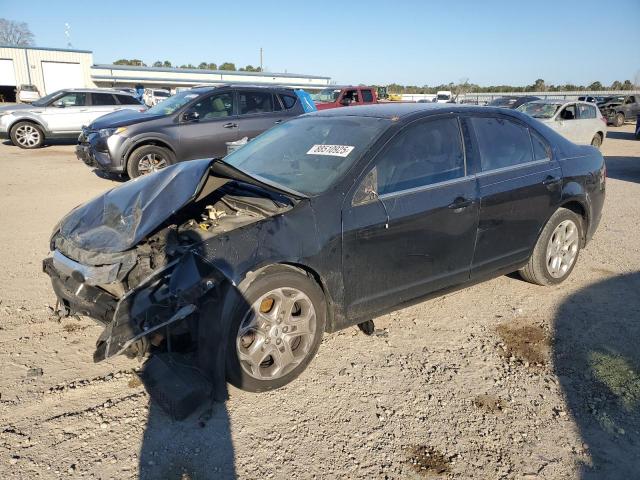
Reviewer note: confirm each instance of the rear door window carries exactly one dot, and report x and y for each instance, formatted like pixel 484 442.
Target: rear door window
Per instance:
pixel 586 111
pixel 502 143
pixel 255 102
pixel 422 154
pixel 127 100
pixel 367 95
pixel 102 99
pixel 541 149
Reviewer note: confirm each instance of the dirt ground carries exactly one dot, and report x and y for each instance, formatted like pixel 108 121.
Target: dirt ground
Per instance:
pixel 501 380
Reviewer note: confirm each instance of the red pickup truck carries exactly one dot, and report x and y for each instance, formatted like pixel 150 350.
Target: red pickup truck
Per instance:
pixel 335 97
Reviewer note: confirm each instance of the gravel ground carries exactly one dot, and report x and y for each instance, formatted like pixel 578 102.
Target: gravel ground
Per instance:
pixel 501 380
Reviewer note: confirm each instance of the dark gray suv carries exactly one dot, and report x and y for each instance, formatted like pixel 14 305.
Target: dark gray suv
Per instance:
pixel 192 124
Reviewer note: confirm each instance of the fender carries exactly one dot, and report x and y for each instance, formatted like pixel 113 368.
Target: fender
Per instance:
pixel 143 139
pixel 29 117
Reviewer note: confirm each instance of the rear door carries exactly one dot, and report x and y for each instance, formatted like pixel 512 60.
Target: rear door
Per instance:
pixel 588 122
pixel 204 135
pixel 258 111
pixel 366 94
pixel 520 188
pixel 417 234
pixel 101 104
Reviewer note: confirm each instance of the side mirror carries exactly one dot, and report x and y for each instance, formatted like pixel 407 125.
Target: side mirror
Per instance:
pixel 190 116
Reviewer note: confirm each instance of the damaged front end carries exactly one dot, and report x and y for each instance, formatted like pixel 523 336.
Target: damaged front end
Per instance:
pixel 130 258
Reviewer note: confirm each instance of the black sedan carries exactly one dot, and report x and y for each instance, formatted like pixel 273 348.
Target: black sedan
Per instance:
pixel 321 223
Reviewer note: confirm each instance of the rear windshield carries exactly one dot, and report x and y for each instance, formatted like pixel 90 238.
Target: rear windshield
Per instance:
pixel 308 154
pixel 502 102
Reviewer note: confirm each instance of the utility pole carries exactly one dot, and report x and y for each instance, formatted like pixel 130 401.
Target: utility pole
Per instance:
pixel 261 59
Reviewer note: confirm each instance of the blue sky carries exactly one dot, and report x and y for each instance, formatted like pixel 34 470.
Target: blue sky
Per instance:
pixel 407 42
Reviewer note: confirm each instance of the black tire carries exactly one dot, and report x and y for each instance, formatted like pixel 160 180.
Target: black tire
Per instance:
pixel 265 281
pixel 597 140
pixel 164 156
pixel 27 135
pixel 537 270
pixel 618 120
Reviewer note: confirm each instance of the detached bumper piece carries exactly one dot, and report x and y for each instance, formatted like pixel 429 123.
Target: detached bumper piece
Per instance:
pixel 80 298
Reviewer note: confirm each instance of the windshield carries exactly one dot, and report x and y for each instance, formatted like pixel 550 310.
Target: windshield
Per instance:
pixel 46 99
pixel 326 95
pixel 171 104
pixel 308 154
pixel 160 94
pixel 539 110
pixel 443 96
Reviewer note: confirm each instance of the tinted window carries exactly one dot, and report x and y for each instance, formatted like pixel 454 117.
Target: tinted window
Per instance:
pixel 127 100
pixel 74 99
pixel 541 150
pixel 276 104
pixel 502 143
pixel 422 154
pixel 288 100
pixel 367 96
pixel 103 99
pixel 215 106
pixel 586 111
pixel 255 102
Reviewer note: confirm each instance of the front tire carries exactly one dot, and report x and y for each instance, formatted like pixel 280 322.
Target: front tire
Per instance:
pixel 276 329
pixel 27 135
pixel 148 159
pixel 618 120
pixel 556 251
pixel 596 141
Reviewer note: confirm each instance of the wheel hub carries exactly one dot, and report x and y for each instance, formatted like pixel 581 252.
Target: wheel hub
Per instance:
pixel 562 248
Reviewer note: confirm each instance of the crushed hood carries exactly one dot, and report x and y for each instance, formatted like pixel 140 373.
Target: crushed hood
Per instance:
pixel 118 220
pixel 123 118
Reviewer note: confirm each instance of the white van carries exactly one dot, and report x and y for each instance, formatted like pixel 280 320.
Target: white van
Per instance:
pixel 443 96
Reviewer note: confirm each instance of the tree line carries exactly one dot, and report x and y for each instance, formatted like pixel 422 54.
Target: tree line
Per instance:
pixel 230 66
pixel 538 86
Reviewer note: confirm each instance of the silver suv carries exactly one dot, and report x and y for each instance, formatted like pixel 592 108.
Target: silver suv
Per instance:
pixel 60 114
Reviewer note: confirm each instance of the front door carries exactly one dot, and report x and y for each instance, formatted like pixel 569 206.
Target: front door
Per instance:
pixel 68 113
pixel 520 188
pixel 565 122
pixel 410 226
pixel 207 126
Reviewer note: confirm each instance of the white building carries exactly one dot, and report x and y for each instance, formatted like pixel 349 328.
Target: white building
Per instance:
pixel 51 69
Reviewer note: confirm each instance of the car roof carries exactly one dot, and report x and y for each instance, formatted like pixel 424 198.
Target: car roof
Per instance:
pixel 95 90
pixel 397 110
pixel 559 101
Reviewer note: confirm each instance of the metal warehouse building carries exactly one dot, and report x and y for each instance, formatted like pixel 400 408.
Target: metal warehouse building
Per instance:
pixel 51 69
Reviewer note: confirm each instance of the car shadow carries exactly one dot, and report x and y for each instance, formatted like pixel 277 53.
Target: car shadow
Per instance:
pixel 53 142
pixel 115 177
pixel 199 447
pixel 621 135
pixel 597 360
pixel 623 168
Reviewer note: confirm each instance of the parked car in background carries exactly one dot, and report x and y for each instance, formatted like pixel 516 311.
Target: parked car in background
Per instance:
pixel 591 99
pixel 513 101
pixel 195 123
pixel 580 122
pixel 153 96
pixel 335 97
pixel 638 128
pixel 61 114
pixel 27 93
pixel 620 109
pixel 443 96
pixel 249 260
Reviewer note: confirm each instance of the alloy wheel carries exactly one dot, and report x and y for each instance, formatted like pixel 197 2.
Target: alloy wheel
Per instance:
pixel 276 334
pixel 27 136
pixel 562 248
pixel 151 162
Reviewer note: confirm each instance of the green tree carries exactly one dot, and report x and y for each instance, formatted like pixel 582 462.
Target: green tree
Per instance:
pixel 595 86
pixel 134 62
pixel 166 64
pixel 616 85
pixel 228 66
pixel 189 65
pixel 157 63
pixel 627 85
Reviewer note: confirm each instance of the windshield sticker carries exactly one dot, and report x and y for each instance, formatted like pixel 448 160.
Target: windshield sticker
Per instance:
pixel 333 150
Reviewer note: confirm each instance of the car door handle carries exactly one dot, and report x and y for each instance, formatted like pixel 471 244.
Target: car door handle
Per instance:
pixel 460 203
pixel 551 181
pixel 230 125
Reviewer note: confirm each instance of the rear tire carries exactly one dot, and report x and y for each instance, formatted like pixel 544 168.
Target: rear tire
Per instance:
pixel 597 140
pixel 275 328
pixel 148 159
pixel 27 135
pixel 556 251
pixel 618 120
